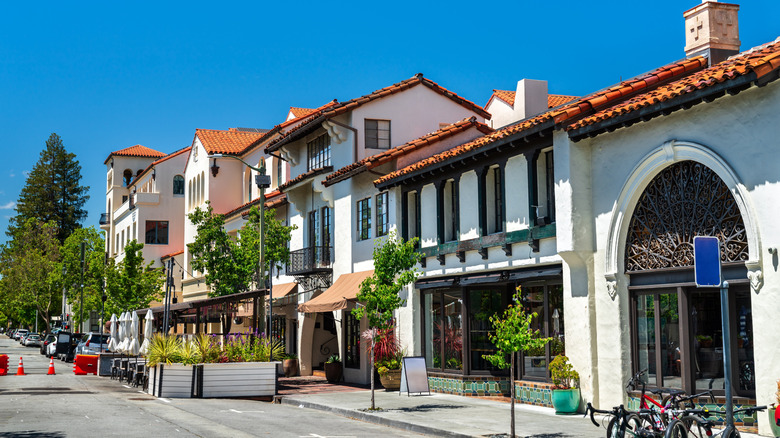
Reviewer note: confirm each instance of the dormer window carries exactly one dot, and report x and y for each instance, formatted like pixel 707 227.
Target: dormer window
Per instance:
pixel 377 134
pixel 319 152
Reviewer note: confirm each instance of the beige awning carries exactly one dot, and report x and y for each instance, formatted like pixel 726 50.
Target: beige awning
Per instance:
pixel 282 290
pixel 345 288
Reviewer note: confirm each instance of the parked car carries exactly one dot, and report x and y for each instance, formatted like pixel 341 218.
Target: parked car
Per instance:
pixel 33 339
pixel 19 333
pixel 51 349
pixel 46 341
pixel 66 345
pixel 92 343
pixel 24 337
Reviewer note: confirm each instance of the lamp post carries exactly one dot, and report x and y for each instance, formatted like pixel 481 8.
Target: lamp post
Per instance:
pixel 64 303
pixel 81 302
pixel 263 181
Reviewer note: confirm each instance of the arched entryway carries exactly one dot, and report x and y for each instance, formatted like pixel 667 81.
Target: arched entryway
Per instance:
pixel 675 327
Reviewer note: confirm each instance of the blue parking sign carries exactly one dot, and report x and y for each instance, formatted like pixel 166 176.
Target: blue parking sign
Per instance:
pixel 706 259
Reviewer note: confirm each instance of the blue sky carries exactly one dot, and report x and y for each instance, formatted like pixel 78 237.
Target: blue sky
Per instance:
pixel 109 75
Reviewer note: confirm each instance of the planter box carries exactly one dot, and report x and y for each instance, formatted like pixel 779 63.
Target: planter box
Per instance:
pixel 242 379
pixel 174 381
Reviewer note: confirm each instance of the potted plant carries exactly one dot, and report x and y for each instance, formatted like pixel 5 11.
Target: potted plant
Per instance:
pixel 389 370
pixel 565 392
pixel 290 364
pixel 333 369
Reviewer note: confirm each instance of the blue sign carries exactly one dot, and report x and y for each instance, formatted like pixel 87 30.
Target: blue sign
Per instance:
pixel 706 259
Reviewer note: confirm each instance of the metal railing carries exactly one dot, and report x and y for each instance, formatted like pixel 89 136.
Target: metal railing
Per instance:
pixel 104 220
pixel 310 260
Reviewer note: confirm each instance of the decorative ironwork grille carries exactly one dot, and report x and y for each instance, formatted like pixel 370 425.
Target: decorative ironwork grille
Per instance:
pixel 686 199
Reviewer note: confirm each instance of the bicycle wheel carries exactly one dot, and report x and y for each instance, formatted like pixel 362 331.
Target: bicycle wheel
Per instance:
pixel 613 428
pixel 636 426
pixel 688 427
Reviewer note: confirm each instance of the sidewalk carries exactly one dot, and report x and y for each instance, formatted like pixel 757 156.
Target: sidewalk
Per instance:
pixel 447 415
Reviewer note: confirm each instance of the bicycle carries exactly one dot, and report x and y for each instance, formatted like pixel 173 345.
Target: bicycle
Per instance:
pixel 621 421
pixel 691 424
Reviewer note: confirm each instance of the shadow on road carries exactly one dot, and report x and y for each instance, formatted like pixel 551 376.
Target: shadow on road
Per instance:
pixel 32 434
pixel 427 408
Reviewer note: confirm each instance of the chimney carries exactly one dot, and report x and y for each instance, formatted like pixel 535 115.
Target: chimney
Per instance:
pixel 712 30
pixel 530 98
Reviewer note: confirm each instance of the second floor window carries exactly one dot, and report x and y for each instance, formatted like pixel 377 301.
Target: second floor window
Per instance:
pixel 156 233
pixel 364 219
pixel 178 185
pixel 494 202
pixel 381 214
pixel 378 134
pixel 319 152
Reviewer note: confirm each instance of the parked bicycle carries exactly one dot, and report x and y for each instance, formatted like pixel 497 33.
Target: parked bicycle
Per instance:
pixel 693 423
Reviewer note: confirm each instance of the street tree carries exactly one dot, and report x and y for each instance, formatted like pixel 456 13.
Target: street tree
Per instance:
pixel 513 333
pixel 27 264
pixel 130 284
pixel 53 191
pixel 394 262
pixel 231 264
pixel 94 270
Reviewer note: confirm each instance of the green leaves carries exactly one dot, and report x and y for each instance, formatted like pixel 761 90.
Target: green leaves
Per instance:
pixel 513 333
pixel 131 285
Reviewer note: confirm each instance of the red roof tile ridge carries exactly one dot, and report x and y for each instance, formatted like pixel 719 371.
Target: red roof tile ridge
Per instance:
pixel 173 254
pixel 507 96
pixel 136 151
pixel 171 155
pixel 351 104
pixel 227 141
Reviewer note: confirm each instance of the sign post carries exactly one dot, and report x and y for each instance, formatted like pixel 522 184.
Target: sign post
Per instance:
pixel 706 259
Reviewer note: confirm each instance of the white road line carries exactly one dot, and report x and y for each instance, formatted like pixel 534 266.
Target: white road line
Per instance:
pixel 126 386
pixel 162 399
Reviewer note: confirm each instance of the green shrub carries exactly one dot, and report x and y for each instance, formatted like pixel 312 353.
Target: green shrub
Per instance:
pixel 563 374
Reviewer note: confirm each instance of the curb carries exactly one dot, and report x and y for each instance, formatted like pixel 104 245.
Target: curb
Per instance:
pixel 374 418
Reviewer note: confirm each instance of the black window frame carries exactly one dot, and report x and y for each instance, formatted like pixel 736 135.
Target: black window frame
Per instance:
pixel 372 134
pixel 382 216
pixel 363 219
pixel 178 182
pixel 318 152
pixel 156 240
pixel 351 341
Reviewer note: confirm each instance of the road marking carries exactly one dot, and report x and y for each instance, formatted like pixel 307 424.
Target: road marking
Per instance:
pixel 314 435
pixel 86 417
pixel 127 387
pixel 162 399
pixel 245 412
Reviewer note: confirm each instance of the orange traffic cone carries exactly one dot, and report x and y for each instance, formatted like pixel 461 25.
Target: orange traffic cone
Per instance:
pixel 51 367
pixel 20 370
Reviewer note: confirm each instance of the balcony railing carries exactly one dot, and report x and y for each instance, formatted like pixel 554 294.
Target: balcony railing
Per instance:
pixel 104 219
pixel 311 260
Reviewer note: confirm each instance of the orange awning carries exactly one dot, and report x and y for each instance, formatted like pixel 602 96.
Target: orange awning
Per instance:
pixel 282 290
pixel 345 288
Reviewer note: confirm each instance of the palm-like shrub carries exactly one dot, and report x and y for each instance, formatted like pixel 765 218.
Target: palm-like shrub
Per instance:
pixel 164 349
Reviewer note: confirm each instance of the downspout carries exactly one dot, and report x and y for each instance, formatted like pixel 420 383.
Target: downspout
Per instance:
pixel 354 131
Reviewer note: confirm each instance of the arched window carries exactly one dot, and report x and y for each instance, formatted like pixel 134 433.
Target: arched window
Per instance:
pixel 248 185
pixel 127 176
pixel 178 185
pixel 189 195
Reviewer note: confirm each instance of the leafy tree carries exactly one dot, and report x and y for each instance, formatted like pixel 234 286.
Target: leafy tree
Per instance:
pixel 53 192
pixel 394 262
pixel 231 264
pixel 130 284
pixel 27 265
pixel 513 333
pixel 94 270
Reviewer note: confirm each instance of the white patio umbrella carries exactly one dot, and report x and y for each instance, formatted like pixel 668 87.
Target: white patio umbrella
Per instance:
pixel 134 345
pixel 148 332
pixel 122 332
pixel 113 337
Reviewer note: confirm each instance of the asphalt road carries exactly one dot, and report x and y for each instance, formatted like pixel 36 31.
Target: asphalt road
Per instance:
pixel 66 405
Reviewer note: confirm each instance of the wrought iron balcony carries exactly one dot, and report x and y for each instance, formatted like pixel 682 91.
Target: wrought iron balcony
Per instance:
pixel 104 219
pixel 311 261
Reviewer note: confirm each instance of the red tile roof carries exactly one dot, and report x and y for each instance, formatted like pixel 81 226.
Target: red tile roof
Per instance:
pixel 301 112
pixel 165 158
pixel 173 254
pixel 135 151
pixel 231 142
pixel 317 117
pixel 508 96
pixel 761 60
pixel 577 108
pixel 316 110
pixel 367 163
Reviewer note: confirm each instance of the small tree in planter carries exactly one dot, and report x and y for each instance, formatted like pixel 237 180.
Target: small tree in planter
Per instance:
pixel 394 262
pixel 333 368
pixel 565 393
pixel 513 333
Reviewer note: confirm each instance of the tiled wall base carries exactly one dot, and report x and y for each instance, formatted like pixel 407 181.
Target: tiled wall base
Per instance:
pixel 527 392
pixel 533 393
pixel 748 421
pixel 473 386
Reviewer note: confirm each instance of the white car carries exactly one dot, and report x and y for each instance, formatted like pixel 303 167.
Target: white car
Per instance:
pixel 51 349
pixel 32 340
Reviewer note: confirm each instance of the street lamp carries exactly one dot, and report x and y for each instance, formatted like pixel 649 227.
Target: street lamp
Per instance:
pixel 263 182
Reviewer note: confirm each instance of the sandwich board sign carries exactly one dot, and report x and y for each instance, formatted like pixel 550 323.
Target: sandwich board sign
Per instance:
pixel 706 260
pixel 414 376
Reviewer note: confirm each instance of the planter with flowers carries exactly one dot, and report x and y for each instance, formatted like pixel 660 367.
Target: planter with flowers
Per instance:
pixel 566 391
pixel 774 413
pixel 333 369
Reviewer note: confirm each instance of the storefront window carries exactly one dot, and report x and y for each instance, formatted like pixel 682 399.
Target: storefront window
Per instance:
pixel 433 330
pixel 452 329
pixel 482 305
pixel 547 302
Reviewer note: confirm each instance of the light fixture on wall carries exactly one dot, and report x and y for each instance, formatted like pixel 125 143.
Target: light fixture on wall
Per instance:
pixel 214 168
pixel 154 173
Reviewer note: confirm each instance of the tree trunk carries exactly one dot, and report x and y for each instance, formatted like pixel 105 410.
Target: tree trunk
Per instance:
pixel 512 393
pixel 371 359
